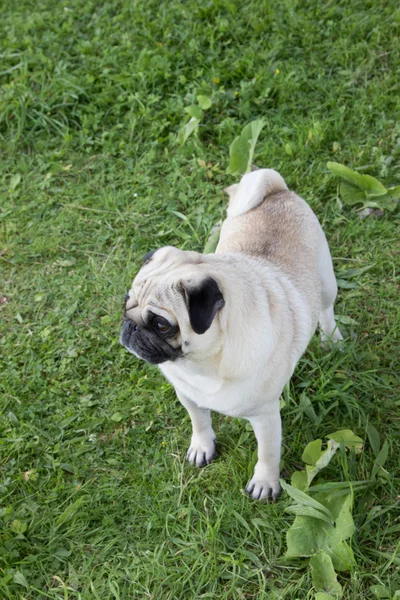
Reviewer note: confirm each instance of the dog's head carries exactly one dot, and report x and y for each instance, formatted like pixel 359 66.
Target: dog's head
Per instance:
pixel 171 308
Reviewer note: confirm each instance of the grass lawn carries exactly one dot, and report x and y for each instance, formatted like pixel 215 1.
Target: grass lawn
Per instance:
pixel 96 500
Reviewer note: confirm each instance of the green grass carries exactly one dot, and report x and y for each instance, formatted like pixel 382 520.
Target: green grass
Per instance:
pixel 96 499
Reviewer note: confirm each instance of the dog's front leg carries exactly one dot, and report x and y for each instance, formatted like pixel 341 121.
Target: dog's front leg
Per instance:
pixel 268 430
pixel 202 446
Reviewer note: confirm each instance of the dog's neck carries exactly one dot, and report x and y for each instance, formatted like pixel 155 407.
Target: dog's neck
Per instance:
pixel 242 281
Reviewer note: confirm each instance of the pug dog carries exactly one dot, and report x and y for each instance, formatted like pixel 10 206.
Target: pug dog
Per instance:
pixel 227 329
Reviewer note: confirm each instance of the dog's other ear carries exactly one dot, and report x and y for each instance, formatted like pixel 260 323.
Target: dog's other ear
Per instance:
pixel 203 304
pixel 147 256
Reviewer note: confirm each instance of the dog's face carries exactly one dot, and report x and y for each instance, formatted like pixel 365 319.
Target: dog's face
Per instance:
pixel 170 310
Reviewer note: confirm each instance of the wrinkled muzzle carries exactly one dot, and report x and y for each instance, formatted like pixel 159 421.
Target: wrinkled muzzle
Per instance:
pixel 146 344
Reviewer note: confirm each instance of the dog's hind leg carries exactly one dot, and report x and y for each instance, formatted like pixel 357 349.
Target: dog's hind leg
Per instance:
pixel 329 329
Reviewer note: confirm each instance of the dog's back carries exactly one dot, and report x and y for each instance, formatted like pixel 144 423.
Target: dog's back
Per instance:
pixel 284 232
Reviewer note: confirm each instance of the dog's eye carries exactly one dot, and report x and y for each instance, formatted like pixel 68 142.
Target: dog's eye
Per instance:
pixel 162 325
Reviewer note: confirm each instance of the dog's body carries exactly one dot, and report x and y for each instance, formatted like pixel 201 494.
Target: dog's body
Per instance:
pixel 245 315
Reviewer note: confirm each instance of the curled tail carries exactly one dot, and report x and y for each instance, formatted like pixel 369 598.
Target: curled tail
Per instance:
pixel 252 190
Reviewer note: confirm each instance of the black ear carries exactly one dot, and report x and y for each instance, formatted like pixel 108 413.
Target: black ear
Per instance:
pixel 148 256
pixel 203 304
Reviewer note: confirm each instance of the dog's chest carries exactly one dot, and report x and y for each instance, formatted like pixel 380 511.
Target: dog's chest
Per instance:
pixel 210 391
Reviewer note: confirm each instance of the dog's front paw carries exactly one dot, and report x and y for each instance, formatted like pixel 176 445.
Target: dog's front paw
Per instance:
pixel 263 484
pixel 202 450
pixel 260 489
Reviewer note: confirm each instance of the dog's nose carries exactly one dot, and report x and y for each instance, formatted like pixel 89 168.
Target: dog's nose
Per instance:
pixel 131 325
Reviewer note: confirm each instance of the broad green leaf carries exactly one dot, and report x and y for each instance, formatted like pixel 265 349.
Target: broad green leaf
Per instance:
pixel 312 452
pixel 116 417
pixel 19 578
pixel 371 186
pixel 323 596
pixel 315 460
pixel 188 129
pixel 213 238
pixel 394 193
pixel 374 438
pixel 18 527
pixel 12 417
pixel 307 511
pixel 385 202
pixel 241 150
pixel 346 320
pixel 322 462
pixel 346 285
pixel 342 556
pixel 349 439
pixel 299 480
pixel 194 111
pixel 239 155
pixel 308 536
pixel 323 574
pixel 63 552
pixel 66 263
pixel 368 184
pixel 380 591
pixel 255 128
pixel 15 181
pixel 204 101
pixel 305 537
pixel 380 459
pixel 305 500
pixel 351 194
pixel 288 149
pixel 340 507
